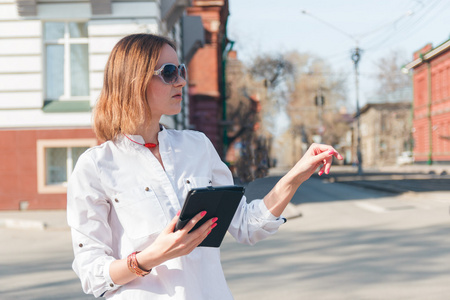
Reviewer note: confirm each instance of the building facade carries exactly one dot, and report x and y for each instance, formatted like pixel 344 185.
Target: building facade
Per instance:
pixel 52 57
pixel 431 124
pixel 385 132
pixel 206 72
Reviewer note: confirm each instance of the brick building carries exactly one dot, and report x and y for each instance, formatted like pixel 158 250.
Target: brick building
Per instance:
pixel 206 72
pixel 52 57
pixel 431 123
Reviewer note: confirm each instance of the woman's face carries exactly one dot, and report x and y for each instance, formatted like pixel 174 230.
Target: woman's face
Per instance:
pixel 165 99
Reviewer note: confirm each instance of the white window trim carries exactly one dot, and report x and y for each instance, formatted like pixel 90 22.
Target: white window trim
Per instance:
pixel 41 163
pixel 66 41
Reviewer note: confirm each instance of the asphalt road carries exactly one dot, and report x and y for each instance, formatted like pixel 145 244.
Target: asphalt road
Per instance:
pixel 350 243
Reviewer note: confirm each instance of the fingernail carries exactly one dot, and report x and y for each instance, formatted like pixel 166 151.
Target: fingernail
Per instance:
pixel 320 173
pixel 213 225
pixel 203 213
pixel 209 232
pixel 214 220
pixel 179 212
pixel 331 152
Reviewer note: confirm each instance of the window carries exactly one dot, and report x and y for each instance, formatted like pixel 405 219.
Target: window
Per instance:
pixel 56 160
pixel 67 61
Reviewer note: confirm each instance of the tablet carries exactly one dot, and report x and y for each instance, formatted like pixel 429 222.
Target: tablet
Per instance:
pixel 220 201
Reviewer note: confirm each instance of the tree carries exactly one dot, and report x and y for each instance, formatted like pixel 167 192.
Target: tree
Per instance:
pixel 249 142
pixel 314 82
pixel 392 84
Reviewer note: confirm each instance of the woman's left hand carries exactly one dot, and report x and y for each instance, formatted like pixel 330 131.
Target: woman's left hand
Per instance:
pixel 317 155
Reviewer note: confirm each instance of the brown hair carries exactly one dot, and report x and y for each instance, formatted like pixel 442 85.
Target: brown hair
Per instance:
pixel 122 104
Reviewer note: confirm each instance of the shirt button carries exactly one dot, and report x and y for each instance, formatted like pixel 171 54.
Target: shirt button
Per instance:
pixel 187 181
pixel 80 245
pixel 111 285
pixel 147 189
pixel 117 200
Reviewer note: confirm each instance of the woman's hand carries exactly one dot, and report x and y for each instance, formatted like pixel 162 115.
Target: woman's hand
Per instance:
pixel 167 245
pixel 317 155
pixel 170 244
pixel 279 197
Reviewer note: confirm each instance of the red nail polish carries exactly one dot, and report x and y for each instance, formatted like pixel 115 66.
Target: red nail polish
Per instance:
pixel 179 212
pixel 203 213
pixel 214 220
pixel 213 225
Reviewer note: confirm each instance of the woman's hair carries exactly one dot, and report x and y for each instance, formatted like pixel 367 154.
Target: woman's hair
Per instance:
pixel 122 105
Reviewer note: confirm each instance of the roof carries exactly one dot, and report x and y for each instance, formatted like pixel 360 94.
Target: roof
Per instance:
pixel 387 105
pixel 429 55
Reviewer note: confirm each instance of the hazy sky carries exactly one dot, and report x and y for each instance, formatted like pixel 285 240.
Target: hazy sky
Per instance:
pixel 381 26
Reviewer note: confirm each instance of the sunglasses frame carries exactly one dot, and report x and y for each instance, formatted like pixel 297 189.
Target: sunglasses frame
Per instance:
pixel 158 72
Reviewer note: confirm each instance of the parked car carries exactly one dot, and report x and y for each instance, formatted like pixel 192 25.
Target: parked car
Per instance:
pixel 405 158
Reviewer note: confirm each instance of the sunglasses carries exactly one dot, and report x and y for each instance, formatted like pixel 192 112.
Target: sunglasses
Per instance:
pixel 169 73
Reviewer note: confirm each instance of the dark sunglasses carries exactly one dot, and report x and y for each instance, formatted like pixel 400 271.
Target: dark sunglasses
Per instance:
pixel 169 73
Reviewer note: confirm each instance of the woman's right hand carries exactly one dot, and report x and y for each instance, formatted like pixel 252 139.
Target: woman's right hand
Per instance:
pixel 170 244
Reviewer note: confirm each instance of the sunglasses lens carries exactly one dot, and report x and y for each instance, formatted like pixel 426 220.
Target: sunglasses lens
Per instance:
pixel 169 73
pixel 183 71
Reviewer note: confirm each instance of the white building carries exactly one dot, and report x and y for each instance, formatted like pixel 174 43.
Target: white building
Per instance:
pixel 52 57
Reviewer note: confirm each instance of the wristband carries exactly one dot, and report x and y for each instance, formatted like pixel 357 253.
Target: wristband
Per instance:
pixel 133 265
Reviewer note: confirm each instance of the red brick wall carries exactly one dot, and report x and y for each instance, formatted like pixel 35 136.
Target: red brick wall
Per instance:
pixel 440 110
pixel 18 167
pixel 205 69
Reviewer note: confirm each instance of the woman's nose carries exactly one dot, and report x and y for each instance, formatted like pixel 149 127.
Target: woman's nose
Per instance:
pixel 180 81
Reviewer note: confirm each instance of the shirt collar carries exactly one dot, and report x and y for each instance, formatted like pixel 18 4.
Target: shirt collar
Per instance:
pixel 162 134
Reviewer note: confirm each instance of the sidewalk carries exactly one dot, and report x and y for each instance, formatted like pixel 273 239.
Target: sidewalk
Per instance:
pixel 34 219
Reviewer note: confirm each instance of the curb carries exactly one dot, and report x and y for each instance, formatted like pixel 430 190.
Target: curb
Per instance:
pixel 22 224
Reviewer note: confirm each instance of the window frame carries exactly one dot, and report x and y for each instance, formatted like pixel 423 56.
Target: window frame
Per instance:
pixel 66 41
pixel 41 145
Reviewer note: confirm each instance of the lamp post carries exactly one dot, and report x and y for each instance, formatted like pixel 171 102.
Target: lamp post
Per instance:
pixel 356 56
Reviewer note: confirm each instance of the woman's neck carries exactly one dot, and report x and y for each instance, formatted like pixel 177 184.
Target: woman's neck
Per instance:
pixel 150 132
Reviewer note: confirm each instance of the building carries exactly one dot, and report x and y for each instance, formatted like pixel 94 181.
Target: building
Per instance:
pixel 52 56
pixel 206 72
pixel 431 123
pixel 385 132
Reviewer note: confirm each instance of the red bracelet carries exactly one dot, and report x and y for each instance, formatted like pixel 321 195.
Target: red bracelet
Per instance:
pixel 133 265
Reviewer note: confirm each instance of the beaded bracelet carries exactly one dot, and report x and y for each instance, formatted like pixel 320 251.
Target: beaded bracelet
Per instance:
pixel 133 265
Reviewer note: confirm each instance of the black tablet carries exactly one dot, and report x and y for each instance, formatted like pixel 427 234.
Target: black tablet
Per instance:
pixel 220 201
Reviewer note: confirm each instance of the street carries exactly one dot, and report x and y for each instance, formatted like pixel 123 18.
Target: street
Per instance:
pixel 350 243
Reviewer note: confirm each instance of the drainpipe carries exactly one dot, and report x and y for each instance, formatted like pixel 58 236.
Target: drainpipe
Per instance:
pixel 430 127
pixel 225 52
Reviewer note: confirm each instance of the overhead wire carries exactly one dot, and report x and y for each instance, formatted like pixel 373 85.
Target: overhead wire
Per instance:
pixel 408 27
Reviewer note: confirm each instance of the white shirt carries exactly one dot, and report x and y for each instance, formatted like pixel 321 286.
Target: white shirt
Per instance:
pixel 119 199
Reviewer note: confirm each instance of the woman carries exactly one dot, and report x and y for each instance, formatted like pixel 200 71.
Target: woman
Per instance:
pixel 125 195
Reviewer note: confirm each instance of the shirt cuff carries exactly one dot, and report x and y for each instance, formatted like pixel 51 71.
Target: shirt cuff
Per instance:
pixel 266 214
pixel 111 286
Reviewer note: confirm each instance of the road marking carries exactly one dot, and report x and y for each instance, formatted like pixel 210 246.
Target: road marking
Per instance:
pixel 371 207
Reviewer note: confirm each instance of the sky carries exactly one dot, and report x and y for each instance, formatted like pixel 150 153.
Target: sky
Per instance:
pixel 331 29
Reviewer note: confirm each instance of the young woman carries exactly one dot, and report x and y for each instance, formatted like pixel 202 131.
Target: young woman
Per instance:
pixel 125 195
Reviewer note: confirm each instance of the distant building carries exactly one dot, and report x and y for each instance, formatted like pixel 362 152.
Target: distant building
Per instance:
pixel 206 72
pixel 431 123
pixel 52 57
pixel 385 132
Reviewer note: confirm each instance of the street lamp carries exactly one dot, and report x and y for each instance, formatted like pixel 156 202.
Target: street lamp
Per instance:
pixel 356 57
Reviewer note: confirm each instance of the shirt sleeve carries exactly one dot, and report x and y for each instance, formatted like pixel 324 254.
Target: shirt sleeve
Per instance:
pixel 87 215
pixel 253 221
